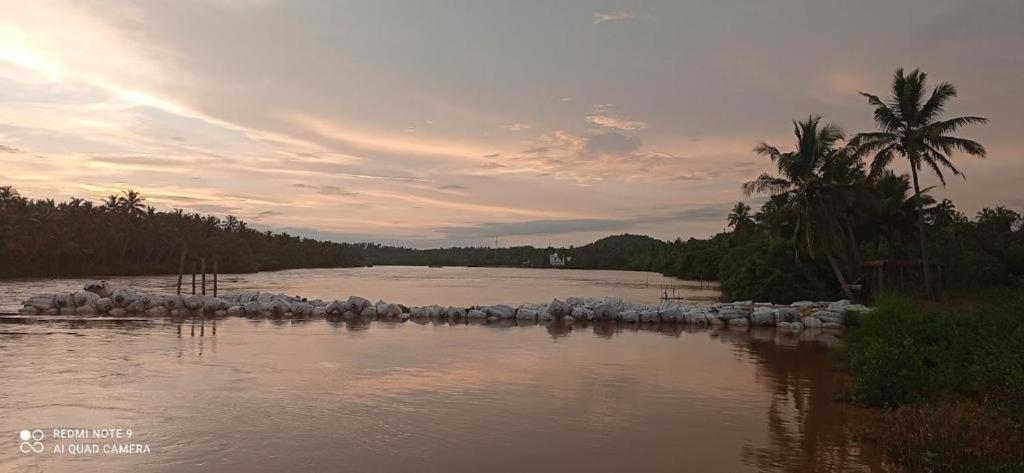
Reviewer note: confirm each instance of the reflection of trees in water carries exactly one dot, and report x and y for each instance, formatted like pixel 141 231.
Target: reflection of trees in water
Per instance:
pixel 808 428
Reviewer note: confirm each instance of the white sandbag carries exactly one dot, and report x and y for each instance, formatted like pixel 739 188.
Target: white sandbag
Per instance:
pixel 438 312
pixel 649 316
pixel 213 304
pixel 629 316
pixel 264 298
pixel 500 311
pixel 672 315
pixel 28 310
pixel 789 326
pixel 123 297
pixel 174 301
pixel 355 304
pixel 254 308
pixel 236 311
pixel 369 312
pixel 319 312
pixel 86 309
pixel 195 302
pixel 606 311
pixel 277 307
pixel 576 301
pixel 40 301
pixel 104 304
pixel 85 298
pixel 300 309
pixel 764 317
pixel 117 312
pixel 135 307
pixel 65 303
pixel 335 308
pixel 582 313
pixel 525 314
pixel 476 314
pixel 156 311
pixel 456 313
pixel 385 309
pixel 739 322
pixel 812 322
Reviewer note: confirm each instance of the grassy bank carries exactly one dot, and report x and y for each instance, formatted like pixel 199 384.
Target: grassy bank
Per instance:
pixel 949 377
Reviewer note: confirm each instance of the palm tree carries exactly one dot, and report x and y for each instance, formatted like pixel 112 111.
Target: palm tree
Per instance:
pixel 132 202
pixel 806 180
pixel 111 202
pixel 739 217
pixel 912 129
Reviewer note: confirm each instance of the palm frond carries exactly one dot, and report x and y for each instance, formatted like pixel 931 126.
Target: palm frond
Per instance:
pixel 883 158
pixel 764 149
pixel 948 126
pixel 885 117
pixel 866 143
pixel 766 184
pixel 948 144
pixel 936 103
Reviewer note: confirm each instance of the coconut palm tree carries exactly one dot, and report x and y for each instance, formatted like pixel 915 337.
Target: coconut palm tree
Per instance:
pixel 910 127
pixel 806 179
pixel 132 202
pixel 740 217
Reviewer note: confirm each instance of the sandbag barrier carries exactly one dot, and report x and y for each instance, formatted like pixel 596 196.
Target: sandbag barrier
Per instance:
pixel 96 299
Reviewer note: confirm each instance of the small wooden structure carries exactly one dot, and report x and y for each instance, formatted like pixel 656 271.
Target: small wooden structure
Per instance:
pixel 903 277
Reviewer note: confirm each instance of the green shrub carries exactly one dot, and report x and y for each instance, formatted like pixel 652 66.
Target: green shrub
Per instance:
pixel 904 353
pixel 764 270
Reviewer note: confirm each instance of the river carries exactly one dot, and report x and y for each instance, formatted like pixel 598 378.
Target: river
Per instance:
pixel 323 395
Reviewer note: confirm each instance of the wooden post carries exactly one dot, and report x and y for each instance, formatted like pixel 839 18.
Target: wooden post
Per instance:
pixel 181 267
pixel 214 276
pixel 193 277
pixel 203 265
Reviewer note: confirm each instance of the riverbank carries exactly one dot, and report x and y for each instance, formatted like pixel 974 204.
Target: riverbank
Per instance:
pixel 948 377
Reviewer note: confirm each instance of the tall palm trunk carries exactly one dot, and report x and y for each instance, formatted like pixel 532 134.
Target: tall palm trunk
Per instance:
pixel 926 270
pixel 839 275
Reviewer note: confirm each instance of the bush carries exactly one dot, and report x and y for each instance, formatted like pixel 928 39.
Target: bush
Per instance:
pixel 905 353
pixel 765 270
pixel 953 375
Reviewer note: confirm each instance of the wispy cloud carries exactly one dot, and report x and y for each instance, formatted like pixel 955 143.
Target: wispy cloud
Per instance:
pixel 516 126
pixel 604 17
pixel 609 121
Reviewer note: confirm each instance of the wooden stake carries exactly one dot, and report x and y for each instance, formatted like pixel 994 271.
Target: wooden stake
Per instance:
pixel 215 277
pixel 181 268
pixel 203 263
pixel 193 277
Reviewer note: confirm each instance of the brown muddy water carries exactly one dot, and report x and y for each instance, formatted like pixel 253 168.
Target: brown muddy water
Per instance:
pixel 322 395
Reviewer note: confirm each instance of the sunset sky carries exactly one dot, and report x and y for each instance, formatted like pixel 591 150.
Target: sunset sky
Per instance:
pixel 452 122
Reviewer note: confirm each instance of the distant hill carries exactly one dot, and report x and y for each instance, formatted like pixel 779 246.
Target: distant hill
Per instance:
pixel 624 251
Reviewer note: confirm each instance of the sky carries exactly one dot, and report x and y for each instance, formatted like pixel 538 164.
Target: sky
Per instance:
pixel 438 123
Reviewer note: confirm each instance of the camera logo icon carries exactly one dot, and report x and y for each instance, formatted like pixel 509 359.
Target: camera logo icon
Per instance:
pixel 31 441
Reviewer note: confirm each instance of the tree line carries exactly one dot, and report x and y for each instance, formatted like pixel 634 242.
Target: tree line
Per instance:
pixel 124 236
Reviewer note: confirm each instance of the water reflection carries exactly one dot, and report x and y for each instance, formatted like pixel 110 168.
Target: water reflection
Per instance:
pixel 435 396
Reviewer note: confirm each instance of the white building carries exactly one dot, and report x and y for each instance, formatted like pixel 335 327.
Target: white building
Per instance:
pixel 557 261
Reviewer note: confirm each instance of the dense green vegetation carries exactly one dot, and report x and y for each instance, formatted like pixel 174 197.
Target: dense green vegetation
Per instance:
pixel 953 375
pixel 124 236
